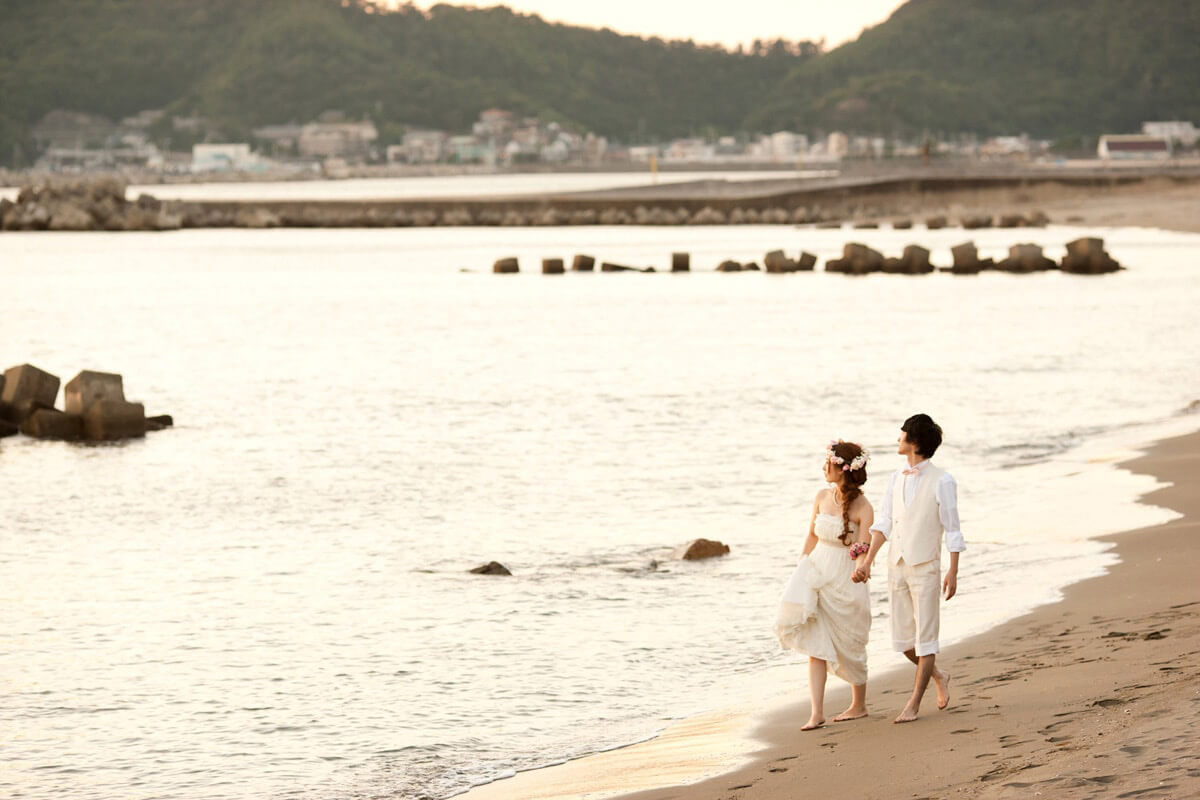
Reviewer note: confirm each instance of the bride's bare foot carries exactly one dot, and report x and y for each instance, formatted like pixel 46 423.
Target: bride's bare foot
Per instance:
pixel 813 724
pixel 942 679
pixel 909 714
pixel 851 713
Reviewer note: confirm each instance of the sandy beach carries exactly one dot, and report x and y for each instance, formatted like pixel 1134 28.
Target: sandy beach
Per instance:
pixel 1163 203
pixel 1094 696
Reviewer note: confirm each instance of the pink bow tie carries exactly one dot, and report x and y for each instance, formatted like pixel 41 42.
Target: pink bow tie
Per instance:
pixel 912 471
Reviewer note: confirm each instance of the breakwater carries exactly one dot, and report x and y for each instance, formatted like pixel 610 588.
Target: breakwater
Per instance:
pixel 1007 198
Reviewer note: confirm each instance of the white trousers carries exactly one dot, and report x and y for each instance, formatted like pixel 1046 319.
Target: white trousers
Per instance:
pixel 915 595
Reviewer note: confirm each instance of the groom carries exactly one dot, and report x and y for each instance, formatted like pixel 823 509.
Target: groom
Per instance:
pixel 919 509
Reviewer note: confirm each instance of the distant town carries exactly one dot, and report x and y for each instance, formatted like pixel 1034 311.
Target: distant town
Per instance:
pixel 332 145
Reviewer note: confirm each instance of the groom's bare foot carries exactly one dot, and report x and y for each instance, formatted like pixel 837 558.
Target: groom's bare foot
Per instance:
pixel 909 714
pixel 850 714
pixel 942 679
pixel 813 724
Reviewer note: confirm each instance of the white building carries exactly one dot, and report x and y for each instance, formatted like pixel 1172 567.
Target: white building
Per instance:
pixel 785 146
pixel 420 147
pixel 837 145
pixel 1134 146
pixel 495 123
pixel 1183 132
pixel 643 153
pixel 280 137
pixel 689 150
pixel 594 147
pixel 1005 146
pixel 223 157
pixel 337 139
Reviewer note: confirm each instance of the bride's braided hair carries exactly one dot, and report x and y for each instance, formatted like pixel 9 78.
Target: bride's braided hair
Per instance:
pixel 852 479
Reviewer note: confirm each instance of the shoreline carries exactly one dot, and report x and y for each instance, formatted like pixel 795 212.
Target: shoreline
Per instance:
pixel 1075 697
pixel 1096 197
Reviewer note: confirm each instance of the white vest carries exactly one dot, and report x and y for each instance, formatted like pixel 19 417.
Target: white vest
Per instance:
pixel 917 531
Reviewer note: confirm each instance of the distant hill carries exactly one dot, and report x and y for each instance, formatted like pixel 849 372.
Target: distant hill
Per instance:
pixel 1046 68
pixel 274 61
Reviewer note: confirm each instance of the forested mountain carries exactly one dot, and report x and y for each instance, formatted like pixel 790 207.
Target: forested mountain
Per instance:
pixel 244 64
pixel 1046 68
pixel 937 65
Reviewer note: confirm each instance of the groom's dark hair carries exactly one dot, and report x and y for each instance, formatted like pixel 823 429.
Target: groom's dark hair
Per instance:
pixel 924 433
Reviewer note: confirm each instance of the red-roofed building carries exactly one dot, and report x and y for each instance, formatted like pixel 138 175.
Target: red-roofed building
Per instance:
pixel 1136 145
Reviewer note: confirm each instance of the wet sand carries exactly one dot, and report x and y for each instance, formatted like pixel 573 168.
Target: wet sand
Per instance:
pixel 1097 695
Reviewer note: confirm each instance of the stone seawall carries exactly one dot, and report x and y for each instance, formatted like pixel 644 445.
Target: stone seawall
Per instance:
pixel 100 205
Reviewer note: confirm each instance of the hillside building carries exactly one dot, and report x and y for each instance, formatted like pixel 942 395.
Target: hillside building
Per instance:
pixel 1133 146
pixel 1185 133
pixel 228 157
pixel 337 139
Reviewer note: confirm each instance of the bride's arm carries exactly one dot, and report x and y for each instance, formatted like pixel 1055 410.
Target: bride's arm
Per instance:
pixel 811 541
pixel 866 519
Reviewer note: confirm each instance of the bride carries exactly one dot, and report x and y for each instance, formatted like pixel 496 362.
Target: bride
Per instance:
pixel 824 612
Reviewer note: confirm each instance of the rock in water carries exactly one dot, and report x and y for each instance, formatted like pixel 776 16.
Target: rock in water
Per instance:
pixel 159 422
pixel 700 548
pixel 775 261
pixel 857 259
pixel 973 223
pixel 915 260
pixel 1087 256
pixel 1025 258
pixel 109 420
pixel 87 387
pixel 966 259
pixel 491 568
pixel 50 423
pixel 27 388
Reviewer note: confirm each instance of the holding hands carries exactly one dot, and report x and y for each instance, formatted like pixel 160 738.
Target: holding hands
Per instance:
pixel 864 555
pixel 860 551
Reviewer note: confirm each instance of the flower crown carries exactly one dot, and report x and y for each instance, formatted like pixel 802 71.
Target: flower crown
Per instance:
pixel 858 462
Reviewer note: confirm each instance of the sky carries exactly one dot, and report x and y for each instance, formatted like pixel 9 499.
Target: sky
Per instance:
pixel 710 22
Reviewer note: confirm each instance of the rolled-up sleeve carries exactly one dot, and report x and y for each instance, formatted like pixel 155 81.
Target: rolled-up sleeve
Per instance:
pixel 947 497
pixel 883 520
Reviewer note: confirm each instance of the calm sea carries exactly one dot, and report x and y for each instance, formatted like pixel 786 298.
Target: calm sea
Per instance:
pixel 272 598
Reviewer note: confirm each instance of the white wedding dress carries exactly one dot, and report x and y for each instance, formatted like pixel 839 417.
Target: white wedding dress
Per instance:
pixel 823 613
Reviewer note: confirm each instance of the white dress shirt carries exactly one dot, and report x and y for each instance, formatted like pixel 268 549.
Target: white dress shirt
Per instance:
pixel 947 498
